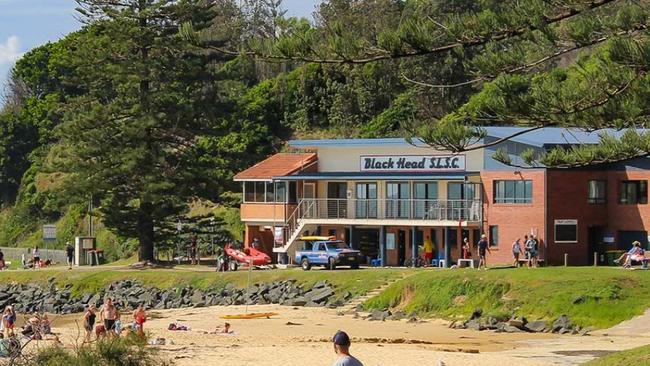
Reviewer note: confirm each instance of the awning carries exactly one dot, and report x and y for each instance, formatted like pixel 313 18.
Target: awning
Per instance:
pixel 277 165
pixel 376 176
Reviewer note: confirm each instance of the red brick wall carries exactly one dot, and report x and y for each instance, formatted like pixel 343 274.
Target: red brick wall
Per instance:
pixel 626 217
pixel 513 220
pixel 567 197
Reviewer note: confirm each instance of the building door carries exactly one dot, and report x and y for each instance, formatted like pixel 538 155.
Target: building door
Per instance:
pixel 309 205
pixel 425 200
pixel 366 206
pixel 337 203
pixel 397 200
pixel 367 241
pixel 626 238
pixel 460 197
pixel 401 247
pixel 594 241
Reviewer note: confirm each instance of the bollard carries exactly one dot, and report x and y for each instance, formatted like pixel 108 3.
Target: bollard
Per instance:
pixel 595 259
pixel 566 259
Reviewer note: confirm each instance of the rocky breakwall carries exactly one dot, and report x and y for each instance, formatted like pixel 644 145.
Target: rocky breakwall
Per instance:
pixel 28 298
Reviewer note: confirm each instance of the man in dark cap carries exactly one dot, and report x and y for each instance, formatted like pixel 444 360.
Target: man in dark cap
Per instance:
pixel 342 349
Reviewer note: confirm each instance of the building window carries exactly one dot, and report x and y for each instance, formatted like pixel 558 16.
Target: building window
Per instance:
pixel 425 205
pixel 493 237
pixel 634 192
pixel 249 191
pixel 513 191
pixel 269 196
pixel 597 191
pixel 566 231
pixel 280 192
pixel 259 191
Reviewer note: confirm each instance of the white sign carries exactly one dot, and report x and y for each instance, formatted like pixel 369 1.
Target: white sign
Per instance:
pixel 390 241
pixel 49 232
pixel 279 234
pixel 412 163
pixel 566 222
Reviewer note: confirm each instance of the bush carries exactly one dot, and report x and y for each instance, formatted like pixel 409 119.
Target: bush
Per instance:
pixel 130 351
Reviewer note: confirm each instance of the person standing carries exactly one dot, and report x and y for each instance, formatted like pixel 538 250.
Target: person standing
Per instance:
pixel 2 260
pixel 467 250
pixel 109 316
pixel 531 249
pixel 36 257
pixel 483 249
pixel 193 250
pixel 89 322
pixel 516 250
pixel 8 321
pixel 69 252
pixel 139 317
pixel 428 251
pixel 342 349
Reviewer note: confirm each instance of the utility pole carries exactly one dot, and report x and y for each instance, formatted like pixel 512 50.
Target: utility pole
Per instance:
pixel 90 216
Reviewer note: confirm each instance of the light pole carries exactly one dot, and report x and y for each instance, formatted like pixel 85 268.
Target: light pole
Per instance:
pixel 179 229
pixel 212 234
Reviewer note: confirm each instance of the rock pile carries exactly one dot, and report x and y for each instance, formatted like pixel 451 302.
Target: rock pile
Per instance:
pixel 383 315
pixel 129 294
pixel 562 325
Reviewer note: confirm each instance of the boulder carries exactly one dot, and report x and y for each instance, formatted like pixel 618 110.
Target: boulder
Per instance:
pixel 561 322
pixel 474 324
pixel 510 329
pixel 517 321
pixel 379 315
pixel 536 326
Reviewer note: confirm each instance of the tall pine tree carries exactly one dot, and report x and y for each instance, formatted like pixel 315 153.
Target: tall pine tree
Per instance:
pixel 133 139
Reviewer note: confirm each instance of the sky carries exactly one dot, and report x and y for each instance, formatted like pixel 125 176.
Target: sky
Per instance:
pixel 25 24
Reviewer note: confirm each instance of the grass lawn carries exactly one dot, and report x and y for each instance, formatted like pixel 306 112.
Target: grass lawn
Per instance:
pixel 599 297
pixel 636 356
pixel 357 282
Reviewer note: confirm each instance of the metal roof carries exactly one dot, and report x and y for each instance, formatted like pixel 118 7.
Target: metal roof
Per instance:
pixel 540 138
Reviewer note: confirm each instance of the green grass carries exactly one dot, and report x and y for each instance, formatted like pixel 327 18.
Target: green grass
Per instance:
pixel 636 356
pixel 357 282
pixel 599 297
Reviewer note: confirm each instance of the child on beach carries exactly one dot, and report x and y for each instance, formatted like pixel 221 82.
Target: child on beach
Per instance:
pixel 139 317
pixel 89 322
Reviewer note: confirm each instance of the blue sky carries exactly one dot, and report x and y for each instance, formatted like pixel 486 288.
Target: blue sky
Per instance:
pixel 25 24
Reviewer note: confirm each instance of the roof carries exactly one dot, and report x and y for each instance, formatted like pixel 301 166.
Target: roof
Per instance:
pixel 376 176
pixel 278 165
pixel 540 137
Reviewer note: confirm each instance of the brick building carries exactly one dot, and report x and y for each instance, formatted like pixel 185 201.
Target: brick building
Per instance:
pixel 384 196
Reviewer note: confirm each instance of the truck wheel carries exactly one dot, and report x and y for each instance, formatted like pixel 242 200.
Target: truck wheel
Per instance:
pixel 232 266
pixel 355 266
pixel 304 263
pixel 331 264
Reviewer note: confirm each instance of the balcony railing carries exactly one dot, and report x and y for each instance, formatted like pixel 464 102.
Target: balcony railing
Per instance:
pixel 406 209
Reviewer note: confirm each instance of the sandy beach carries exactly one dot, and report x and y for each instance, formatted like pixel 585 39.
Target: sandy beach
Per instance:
pixel 301 336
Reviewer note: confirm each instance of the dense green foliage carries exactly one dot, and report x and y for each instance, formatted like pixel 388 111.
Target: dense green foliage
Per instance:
pixel 156 104
pixel 600 297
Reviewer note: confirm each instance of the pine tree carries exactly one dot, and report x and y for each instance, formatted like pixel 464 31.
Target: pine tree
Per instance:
pixel 133 138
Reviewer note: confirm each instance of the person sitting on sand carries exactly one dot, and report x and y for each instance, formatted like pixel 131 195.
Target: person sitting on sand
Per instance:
pixel 46 326
pixel 342 349
pixel 89 322
pixel 224 330
pixel 139 317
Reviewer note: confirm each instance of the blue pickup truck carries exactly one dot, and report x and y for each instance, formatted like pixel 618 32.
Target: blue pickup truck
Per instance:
pixel 328 252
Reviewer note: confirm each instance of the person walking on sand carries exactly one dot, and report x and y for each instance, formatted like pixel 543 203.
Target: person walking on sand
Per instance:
pixel 8 321
pixel 89 322
pixel 516 250
pixel 428 251
pixel 139 317
pixel 342 349
pixel 69 252
pixel 483 247
pixel 109 316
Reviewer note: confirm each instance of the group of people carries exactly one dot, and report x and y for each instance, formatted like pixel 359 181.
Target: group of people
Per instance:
pixel 110 321
pixel 530 250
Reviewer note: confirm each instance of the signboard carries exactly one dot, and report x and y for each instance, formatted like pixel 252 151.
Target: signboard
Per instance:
pixel 412 163
pixel 88 243
pixel 608 238
pixel 49 232
pixel 279 234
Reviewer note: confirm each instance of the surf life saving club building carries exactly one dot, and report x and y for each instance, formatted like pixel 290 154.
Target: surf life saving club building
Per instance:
pixel 386 196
